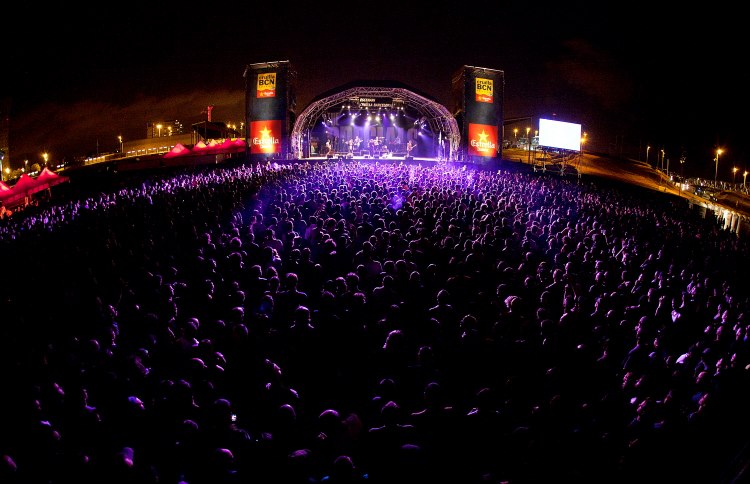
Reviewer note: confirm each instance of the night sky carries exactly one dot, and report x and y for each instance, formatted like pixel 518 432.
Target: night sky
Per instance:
pixel 631 75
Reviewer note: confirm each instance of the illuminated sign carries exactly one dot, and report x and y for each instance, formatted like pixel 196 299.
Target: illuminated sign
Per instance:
pixel 265 137
pixel 482 140
pixel 266 85
pixel 375 102
pixel 483 89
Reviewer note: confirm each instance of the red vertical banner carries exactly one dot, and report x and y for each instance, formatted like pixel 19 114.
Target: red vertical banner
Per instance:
pixel 482 140
pixel 265 137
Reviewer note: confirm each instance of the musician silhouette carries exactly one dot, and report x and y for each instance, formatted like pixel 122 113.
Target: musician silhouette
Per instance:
pixel 410 147
pixel 374 146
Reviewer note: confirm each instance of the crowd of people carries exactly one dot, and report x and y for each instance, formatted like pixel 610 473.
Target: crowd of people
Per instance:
pixel 343 322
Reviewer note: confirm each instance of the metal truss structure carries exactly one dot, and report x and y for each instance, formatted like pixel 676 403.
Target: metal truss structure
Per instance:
pixel 435 115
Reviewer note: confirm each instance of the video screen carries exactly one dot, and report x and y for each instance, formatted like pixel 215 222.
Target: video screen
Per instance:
pixel 558 134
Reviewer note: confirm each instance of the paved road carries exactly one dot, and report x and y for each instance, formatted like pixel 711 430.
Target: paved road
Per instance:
pixel 638 173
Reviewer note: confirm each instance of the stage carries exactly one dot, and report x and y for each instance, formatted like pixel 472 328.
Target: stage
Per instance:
pixel 386 158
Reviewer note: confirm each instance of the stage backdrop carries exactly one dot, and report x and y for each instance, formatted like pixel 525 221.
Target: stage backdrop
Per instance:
pixel 478 108
pixel 270 101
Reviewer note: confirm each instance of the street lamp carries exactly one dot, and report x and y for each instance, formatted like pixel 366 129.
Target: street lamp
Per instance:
pixel 158 127
pixel 515 135
pixel 647 149
pixel 45 155
pixel 744 178
pixel 716 172
pixel 682 172
pixel 682 167
pixel 528 145
pixel 119 138
pixel 661 165
pixel 734 174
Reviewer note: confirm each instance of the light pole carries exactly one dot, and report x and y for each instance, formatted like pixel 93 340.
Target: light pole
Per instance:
pixel 647 149
pixel 528 145
pixel 119 138
pixel 515 135
pixel 744 178
pixel 734 174
pixel 661 164
pixel 682 172
pixel 682 166
pixel 158 127
pixel 716 172
pixel 583 142
pixel 45 155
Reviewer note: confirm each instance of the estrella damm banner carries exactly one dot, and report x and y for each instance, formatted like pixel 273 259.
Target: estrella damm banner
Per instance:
pixel 266 84
pixel 265 137
pixel 483 89
pixel 482 140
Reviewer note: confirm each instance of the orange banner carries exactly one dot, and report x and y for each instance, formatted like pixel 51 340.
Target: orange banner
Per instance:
pixel 483 89
pixel 266 86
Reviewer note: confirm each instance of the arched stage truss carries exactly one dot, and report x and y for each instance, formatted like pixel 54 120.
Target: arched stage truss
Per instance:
pixel 435 115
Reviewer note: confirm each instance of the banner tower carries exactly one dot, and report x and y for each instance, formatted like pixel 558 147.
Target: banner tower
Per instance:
pixel 478 109
pixel 270 101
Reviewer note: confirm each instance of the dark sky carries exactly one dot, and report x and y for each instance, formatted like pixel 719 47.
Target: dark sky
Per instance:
pixel 631 74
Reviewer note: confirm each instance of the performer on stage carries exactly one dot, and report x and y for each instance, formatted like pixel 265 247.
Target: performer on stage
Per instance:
pixel 374 146
pixel 410 147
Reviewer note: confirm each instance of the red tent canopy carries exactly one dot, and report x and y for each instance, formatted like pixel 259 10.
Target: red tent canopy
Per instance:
pixel 46 179
pixel 27 186
pixel 19 191
pixel 24 183
pixel 178 150
pixel 50 176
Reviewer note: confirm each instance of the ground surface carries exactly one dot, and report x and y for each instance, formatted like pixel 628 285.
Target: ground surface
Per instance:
pixel 633 172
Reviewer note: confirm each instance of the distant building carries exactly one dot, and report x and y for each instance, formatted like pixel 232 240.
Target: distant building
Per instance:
pixel 208 130
pixel 164 128
pixel 162 136
pixel 156 145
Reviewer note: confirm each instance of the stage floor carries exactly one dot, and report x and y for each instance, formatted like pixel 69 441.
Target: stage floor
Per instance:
pixel 372 158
